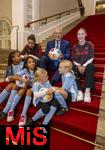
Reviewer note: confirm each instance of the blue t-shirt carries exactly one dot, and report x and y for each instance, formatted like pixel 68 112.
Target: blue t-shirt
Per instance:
pixel 29 73
pixel 69 84
pixel 14 69
pixel 37 86
pixel 17 68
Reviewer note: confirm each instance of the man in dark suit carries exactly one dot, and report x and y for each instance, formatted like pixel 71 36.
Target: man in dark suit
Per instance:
pixel 61 44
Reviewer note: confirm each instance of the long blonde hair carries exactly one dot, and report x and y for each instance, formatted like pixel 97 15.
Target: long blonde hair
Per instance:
pixel 68 65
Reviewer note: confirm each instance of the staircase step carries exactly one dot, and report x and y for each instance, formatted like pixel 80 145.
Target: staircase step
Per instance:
pixel 99 77
pixel 78 123
pixel 99 60
pixel 99 67
pixel 99 55
pixel 92 107
pixel 67 141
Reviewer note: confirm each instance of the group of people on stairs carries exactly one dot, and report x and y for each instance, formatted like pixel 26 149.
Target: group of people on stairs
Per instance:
pixel 31 69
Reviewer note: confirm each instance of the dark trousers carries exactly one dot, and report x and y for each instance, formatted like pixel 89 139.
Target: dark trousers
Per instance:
pixel 46 106
pixel 47 64
pixel 88 76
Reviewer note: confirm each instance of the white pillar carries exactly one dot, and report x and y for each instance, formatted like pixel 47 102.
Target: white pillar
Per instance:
pixel 89 7
pixel 23 11
pixel 32 14
pixel 17 19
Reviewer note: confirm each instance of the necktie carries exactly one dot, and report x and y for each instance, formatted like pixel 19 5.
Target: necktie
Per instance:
pixel 57 44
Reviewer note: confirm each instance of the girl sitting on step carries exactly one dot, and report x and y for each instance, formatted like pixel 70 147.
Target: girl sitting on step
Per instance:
pixel 83 55
pixel 29 70
pixel 15 64
pixel 49 108
pixel 69 86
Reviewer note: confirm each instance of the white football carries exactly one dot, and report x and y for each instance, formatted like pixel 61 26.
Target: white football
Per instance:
pixel 54 53
pixel 46 98
pixel 20 83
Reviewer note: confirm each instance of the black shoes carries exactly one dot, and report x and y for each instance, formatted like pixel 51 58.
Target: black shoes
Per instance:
pixel 2 115
pixel 61 111
pixel 29 122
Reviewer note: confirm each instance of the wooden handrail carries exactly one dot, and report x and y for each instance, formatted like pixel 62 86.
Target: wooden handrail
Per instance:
pixel 45 18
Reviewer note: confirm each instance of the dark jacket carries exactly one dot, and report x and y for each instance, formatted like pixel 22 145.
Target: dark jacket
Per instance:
pixel 64 47
pixel 36 51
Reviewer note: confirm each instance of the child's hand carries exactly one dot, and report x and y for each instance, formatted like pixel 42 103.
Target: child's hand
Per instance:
pixel 61 91
pixel 25 81
pixel 61 55
pixel 50 91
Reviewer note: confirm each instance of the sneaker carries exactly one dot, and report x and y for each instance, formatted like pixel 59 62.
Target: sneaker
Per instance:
pixel 80 96
pixel 87 97
pixel 61 111
pixel 2 115
pixel 29 122
pixel 10 116
pixel 22 120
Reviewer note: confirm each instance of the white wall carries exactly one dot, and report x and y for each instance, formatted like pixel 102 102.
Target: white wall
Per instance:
pixel 51 7
pixel 89 7
pixel 6 9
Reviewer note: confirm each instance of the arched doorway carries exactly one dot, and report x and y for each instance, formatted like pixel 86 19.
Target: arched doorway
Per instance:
pixel 5 34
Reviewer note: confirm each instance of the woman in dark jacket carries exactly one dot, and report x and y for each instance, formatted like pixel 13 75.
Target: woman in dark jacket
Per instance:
pixel 31 48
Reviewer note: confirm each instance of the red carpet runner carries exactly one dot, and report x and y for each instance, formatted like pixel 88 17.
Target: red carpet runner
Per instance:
pixel 79 123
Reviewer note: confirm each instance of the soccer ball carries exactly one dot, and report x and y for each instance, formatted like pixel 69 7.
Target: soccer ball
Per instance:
pixel 20 83
pixel 54 54
pixel 46 98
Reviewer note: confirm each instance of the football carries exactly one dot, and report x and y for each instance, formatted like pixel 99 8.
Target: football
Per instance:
pixel 54 54
pixel 20 83
pixel 46 98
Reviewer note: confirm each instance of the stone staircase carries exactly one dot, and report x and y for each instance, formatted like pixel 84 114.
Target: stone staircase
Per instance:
pixel 100 135
pixel 3 62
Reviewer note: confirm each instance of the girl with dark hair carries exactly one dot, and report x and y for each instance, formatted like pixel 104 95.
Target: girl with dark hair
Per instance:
pixel 32 48
pixel 28 71
pixel 14 66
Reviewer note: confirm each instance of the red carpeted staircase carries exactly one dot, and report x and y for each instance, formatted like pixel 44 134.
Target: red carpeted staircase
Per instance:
pixel 76 129
pixel 78 121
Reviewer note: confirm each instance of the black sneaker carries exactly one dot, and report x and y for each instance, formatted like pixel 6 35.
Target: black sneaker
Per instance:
pixel 61 111
pixel 2 115
pixel 29 122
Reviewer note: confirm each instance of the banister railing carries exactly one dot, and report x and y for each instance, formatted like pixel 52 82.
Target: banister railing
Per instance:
pixel 17 29
pixel 59 15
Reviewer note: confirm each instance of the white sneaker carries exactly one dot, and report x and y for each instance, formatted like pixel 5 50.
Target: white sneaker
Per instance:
pixel 87 97
pixel 80 96
pixel 10 116
pixel 22 120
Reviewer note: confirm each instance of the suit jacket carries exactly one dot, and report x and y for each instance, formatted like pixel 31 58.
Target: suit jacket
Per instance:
pixel 64 47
